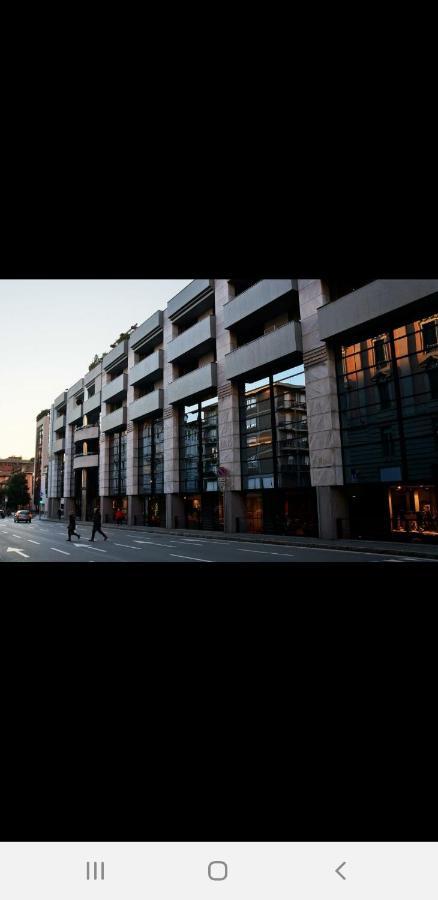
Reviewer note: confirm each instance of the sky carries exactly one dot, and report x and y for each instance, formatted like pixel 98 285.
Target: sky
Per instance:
pixel 50 331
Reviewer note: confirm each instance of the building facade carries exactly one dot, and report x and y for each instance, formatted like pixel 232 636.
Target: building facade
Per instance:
pixel 278 406
pixel 41 461
pixel 11 465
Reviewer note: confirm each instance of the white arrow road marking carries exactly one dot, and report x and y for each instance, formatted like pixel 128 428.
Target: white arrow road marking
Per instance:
pixel 193 558
pixel 60 551
pixel 15 550
pixel 29 541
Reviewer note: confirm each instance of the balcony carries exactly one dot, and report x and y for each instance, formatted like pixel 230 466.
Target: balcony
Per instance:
pixel 92 404
pixel 60 400
pixel 280 349
pixel 256 298
pixel 116 389
pixel 146 406
pixel 75 389
pixel 114 421
pixel 371 302
pixel 148 332
pixel 59 445
pixel 148 370
pixel 116 360
pixel 59 423
pixel 86 433
pixel 92 375
pixel 74 412
pixel 193 385
pixel 85 460
pixel 193 293
pixel 193 342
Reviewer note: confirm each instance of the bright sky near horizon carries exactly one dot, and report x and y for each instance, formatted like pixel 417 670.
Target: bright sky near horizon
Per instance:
pixel 50 332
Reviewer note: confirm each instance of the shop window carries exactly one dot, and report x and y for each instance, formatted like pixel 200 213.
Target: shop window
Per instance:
pixel 430 335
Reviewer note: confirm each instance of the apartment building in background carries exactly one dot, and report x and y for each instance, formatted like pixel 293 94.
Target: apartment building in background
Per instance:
pixel 294 406
pixel 41 461
pixel 11 465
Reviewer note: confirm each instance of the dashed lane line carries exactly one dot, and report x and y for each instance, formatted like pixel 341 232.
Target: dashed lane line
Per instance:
pixel 126 545
pixel 92 549
pixel 192 558
pixel 29 541
pixel 60 551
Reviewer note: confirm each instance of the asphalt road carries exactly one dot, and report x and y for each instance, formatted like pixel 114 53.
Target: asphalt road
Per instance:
pixel 43 541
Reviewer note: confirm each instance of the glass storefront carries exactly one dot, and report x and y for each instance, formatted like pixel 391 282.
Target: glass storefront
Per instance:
pixel 275 457
pixel 117 465
pixel 414 510
pixel 151 471
pixel 388 396
pixel 199 459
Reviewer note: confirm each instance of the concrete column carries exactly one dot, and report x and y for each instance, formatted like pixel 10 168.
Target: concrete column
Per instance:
pixel 68 459
pixel 174 510
pixel 106 509
pixel 131 442
pixel 135 510
pixel 326 469
pixel 228 413
pixel 84 495
pixel 171 436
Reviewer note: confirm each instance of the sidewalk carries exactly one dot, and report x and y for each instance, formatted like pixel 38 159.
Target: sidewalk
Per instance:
pixel 392 548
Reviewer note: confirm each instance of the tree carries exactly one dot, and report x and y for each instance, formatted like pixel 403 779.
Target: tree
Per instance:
pixel 44 412
pixel 16 491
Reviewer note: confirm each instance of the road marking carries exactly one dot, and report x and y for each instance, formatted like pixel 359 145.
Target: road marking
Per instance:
pixel 265 552
pixel 84 547
pixel 60 551
pixel 292 555
pixel 127 545
pixel 16 535
pixel 16 550
pixel 154 544
pixel 33 542
pixel 193 558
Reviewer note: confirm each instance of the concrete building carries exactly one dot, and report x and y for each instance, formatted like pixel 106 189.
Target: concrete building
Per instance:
pixel 273 405
pixel 41 461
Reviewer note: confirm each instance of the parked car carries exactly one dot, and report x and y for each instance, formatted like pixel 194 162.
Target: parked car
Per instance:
pixel 23 515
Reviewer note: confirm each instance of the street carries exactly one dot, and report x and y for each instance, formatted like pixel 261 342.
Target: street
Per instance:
pixel 46 541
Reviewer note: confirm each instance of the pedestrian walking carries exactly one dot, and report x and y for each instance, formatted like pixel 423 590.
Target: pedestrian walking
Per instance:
pixel 59 513
pixel 97 522
pixel 72 527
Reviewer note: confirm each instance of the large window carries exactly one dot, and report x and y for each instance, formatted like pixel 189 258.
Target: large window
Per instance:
pixel 199 448
pixel 117 464
pixel 151 457
pixel 273 430
pixel 388 396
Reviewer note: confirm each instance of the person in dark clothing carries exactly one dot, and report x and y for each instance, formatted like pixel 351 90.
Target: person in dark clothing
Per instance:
pixel 59 513
pixel 72 527
pixel 97 522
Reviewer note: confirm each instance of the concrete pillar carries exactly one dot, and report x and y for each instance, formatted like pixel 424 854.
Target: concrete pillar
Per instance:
pixel 333 512
pixel 174 510
pixel 135 510
pixel 84 495
pixel 171 436
pixel 326 469
pixel 228 414
pixel 106 509
pixel 234 508
pixel 69 506
pixel 68 460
